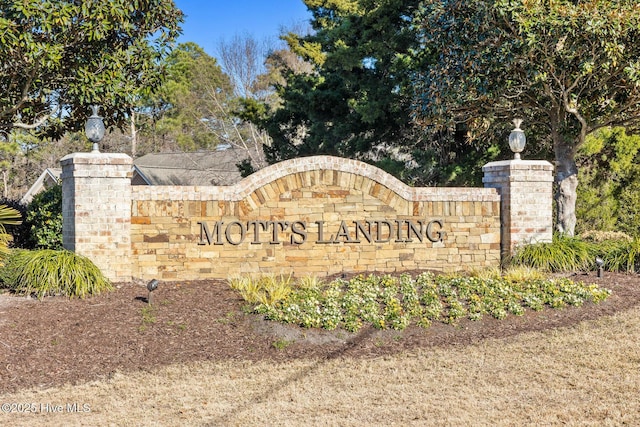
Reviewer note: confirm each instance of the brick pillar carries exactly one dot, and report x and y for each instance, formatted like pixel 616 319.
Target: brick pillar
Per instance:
pixel 526 193
pixel 96 210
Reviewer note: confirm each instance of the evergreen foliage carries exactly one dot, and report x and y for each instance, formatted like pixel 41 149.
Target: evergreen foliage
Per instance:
pixel 48 272
pixel 358 98
pixel 609 191
pixel 564 253
pixel 59 56
pixel 8 216
pixel 567 67
pixel 569 254
pixel 183 107
pixel 622 255
pixel 44 216
pixel 356 101
pixel 20 231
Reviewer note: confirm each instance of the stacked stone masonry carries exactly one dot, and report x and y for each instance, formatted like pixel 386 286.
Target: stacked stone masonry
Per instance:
pixel 168 241
pixel 309 216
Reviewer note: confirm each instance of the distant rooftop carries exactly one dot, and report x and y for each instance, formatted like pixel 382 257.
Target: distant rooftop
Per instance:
pixel 216 167
pixel 198 168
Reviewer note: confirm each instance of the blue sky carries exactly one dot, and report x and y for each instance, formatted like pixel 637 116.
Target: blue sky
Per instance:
pixel 209 21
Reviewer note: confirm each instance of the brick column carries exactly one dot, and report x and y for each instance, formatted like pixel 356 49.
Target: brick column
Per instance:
pixel 96 210
pixel 526 193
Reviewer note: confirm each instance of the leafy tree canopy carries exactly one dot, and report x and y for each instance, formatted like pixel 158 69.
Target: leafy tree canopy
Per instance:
pixel 568 67
pixel 199 107
pixel 59 56
pixel 182 107
pixel 609 192
pixel 356 98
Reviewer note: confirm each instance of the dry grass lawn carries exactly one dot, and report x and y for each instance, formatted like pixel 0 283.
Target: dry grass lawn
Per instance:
pixel 583 375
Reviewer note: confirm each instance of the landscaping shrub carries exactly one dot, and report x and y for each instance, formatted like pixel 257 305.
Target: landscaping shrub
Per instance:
pixel 609 176
pixel 20 231
pixel 44 215
pixel 396 302
pixel 264 290
pixel 49 272
pixel 564 253
pixel 8 271
pixel 8 216
pixel 620 255
pixel 619 252
pixel 604 236
pixel 629 210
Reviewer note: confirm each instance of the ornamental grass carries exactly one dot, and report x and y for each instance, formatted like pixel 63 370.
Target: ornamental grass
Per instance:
pixel 619 253
pixel 50 272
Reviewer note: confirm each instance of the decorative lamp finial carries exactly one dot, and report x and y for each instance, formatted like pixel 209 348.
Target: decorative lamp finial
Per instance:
pixel 517 139
pixel 94 128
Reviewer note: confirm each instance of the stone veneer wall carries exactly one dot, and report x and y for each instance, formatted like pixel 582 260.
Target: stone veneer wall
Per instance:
pixel 167 236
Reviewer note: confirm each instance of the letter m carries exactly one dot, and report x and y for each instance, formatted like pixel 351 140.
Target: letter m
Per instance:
pixel 206 236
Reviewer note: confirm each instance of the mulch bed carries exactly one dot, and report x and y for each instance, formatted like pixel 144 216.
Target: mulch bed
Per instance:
pixel 54 341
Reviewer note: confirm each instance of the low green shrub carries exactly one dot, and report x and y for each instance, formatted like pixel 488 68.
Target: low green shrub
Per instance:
pixel 609 176
pixel 629 210
pixel 48 272
pixel 44 216
pixel 9 270
pixel 604 236
pixel 396 302
pixel 564 253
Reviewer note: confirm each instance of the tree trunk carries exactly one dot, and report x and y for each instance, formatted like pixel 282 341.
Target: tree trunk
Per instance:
pixel 566 188
pixel 134 134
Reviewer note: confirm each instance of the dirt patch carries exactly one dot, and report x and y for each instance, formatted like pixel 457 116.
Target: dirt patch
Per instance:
pixel 57 341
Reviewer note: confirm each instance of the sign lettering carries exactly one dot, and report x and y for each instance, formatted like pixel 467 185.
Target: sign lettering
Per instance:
pixel 298 232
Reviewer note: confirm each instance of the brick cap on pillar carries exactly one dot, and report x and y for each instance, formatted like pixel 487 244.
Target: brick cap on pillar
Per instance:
pixel 96 159
pixel 518 164
pixel 517 171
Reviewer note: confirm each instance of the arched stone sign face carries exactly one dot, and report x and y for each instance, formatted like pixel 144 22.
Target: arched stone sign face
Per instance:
pixel 311 216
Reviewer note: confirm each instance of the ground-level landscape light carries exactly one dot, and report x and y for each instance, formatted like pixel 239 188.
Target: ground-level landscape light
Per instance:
pixel 599 264
pixel 151 286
